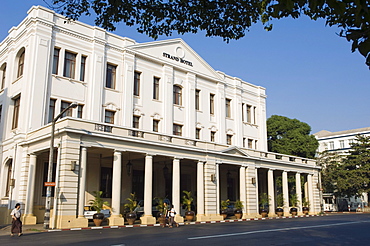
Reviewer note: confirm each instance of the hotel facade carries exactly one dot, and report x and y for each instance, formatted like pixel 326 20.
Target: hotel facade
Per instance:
pixel 152 118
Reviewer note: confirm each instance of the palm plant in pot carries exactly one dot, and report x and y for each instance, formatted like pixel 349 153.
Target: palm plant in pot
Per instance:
pixel 264 201
pixel 279 205
pixel 187 200
pixel 293 200
pixel 224 206
pixel 130 206
pixel 306 206
pixel 97 204
pixel 238 209
pixel 162 208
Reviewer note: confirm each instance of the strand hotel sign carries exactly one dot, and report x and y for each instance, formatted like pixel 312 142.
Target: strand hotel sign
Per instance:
pixel 179 57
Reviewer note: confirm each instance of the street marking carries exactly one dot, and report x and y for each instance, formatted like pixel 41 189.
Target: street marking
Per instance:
pixel 280 229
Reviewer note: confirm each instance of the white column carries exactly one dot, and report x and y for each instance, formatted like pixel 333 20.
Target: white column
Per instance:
pixel 148 191
pixel 116 183
pixel 285 192
pixel 310 191
pixel 200 188
pixel 298 190
pixel 243 188
pixel 176 188
pixel 31 185
pixel 271 191
pixel 217 188
pixel 257 193
pixel 81 197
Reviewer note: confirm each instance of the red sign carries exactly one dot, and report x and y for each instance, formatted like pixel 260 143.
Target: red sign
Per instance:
pixel 49 184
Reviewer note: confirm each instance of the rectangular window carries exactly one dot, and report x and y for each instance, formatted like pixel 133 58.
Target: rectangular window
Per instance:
pixel 79 111
pixel 254 115
pixel 110 80
pixel 351 141
pixel 51 110
pixel 21 64
pixel 177 129
pixel 331 145
pixel 109 116
pixel 56 60
pixel 177 95
pixel 83 68
pixel 255 144
pixel 213 136
pixel 228 139
pixel 228 108
pixel 212 104
pixel 8 178
pixel 155 125
pixel 137 83
pixel 69 65
pixel 250 143
pixel 249 114
pixel 63 106
pixel 16 103
pixel 1 112
pixel 156 88
pixel 341 143
pixel 197 133
pixel 136 122
pixel 106 181
pixel 3 77
pixel 243 112
pixel 244 142
pixel 197 99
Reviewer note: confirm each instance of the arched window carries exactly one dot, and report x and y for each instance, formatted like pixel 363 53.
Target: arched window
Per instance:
pixel 8 168
pixel 3 75
pixel 21 62
pixel 177 95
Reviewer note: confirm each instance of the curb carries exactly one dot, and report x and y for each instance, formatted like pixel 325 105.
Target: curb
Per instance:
pixel 183 223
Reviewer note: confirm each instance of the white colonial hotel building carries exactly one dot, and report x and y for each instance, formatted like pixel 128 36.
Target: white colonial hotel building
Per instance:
pixel 152 118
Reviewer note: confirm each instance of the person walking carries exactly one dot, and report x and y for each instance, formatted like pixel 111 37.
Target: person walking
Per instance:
pixel 16 221
pixel 171 217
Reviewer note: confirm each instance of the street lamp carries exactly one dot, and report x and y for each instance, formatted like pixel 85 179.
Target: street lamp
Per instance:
pixel 50 166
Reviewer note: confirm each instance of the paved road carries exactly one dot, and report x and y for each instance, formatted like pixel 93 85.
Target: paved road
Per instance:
pixel 327 230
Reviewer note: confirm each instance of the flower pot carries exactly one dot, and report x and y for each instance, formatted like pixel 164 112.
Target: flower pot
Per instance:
pixel 98 218
pixel 131 217
pixel 238 214
pixel 264 212
pixel 305 210
pixel 189 215
pixel 161 219
pixel 224 213
pixel 279 212
pixel 294 211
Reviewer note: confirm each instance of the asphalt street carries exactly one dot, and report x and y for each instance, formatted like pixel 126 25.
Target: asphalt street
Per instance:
pixel 350 229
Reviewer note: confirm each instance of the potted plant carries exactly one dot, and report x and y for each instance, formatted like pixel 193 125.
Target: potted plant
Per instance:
pixel 97 204
pixel 264 201
pixel 238 209
pixel 130 206
pixel 161 207
pixel 294 202
pixel 187 200
pixel 224 206
pixel 279 205
pixel 306 206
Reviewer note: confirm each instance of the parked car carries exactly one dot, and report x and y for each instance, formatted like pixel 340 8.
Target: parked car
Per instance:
pixel 139 210
pixel 89 212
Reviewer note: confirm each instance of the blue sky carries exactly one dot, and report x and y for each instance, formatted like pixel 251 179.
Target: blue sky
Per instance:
pixel 308 71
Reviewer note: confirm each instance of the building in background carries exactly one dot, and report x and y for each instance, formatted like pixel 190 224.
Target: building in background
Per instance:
pixel 340 143
pixel 152 118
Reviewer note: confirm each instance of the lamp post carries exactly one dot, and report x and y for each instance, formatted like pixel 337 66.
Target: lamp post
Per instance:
pixel 50 166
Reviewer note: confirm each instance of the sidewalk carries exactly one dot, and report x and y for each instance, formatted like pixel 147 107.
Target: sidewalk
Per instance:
pixel 5 230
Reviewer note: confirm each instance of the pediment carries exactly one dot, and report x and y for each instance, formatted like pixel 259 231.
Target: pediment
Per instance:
pixel 235 151
pixel 177 53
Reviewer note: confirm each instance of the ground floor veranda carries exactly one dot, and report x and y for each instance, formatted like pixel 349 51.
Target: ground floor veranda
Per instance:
pixel 87 161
